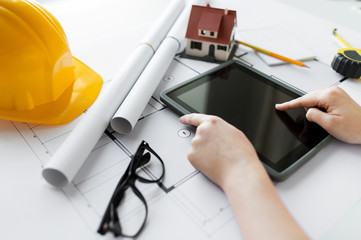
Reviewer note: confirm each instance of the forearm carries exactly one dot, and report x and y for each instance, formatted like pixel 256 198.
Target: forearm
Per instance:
pixel 227 157
pixel 259 211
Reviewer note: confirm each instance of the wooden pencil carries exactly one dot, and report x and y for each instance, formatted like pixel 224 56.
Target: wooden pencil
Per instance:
pixel 272 54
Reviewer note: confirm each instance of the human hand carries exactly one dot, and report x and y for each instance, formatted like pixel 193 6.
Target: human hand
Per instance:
pixel 219 150
pixel 340 115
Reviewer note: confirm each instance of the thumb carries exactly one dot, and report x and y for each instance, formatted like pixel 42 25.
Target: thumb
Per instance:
pixel 318 116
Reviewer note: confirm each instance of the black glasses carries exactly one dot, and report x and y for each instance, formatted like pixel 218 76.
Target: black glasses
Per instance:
pixel 145 156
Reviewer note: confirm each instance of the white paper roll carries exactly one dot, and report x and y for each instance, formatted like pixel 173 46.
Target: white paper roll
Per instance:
pixel 71 155
pixel 131 109
pixel 129 112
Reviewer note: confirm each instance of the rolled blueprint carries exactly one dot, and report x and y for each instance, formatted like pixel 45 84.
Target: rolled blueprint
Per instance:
pixel 131 109
pixel 71 155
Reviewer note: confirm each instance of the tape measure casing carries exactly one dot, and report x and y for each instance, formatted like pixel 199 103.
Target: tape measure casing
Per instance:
pixel 347 62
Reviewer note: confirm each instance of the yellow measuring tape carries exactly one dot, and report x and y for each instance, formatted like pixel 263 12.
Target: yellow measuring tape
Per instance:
pixel 347 60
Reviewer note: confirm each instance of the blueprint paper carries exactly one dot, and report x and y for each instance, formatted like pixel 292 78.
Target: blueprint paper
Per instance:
pixel 188 206
pixel 279 40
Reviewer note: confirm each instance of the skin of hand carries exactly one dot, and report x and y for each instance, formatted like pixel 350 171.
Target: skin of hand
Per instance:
pixel 216 139
pixel 225 155
pixel 334 110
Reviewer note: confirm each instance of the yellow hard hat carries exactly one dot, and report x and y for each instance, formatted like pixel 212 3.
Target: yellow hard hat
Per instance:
pixel 40 81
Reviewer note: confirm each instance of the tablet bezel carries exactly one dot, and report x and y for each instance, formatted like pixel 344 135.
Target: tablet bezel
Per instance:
pixel 274 171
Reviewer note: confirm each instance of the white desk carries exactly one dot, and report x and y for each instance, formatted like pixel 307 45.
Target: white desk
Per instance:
pixel 103 34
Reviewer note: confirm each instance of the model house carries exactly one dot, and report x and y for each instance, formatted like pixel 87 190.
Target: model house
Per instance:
pixel 210 32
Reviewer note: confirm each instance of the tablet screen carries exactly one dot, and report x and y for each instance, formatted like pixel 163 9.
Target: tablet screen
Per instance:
pixel 247 100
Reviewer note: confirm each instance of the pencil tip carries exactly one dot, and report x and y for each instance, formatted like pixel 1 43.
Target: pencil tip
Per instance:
pixel 304 65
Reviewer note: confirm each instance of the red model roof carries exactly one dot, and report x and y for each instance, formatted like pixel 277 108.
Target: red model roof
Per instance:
pixel 211 19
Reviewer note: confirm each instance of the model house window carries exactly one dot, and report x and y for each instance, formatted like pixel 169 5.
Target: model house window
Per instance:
pixel 220 47
pixel 196 45
pixel 212 34
pixel 203 32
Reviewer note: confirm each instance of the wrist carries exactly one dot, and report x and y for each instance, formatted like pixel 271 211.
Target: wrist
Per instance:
pixel 250 174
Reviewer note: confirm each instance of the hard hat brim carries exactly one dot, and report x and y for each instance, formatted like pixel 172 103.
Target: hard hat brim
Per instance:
pixel 73 102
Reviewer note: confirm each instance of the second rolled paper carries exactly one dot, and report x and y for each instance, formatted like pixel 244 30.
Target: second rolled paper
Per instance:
pixel 132 107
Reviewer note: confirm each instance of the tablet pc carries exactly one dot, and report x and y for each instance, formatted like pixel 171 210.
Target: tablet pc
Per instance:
pixel 246 98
